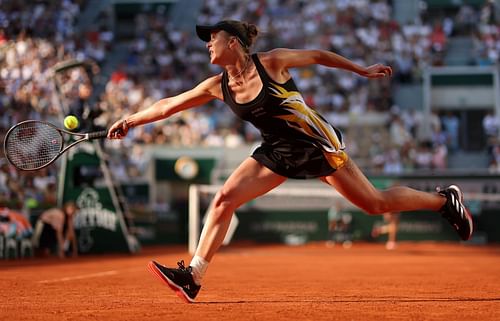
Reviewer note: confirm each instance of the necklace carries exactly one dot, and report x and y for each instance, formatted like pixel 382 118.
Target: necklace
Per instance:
pixel 231 78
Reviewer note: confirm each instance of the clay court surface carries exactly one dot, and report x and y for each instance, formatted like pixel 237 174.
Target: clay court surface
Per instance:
pixel 418 281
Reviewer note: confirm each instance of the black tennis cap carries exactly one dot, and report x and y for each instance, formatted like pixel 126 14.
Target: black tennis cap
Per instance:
pixel 232 27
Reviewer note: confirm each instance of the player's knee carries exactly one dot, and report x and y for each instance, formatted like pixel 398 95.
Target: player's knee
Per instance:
pixel 376 207
pixel 374 211
pixel 224 205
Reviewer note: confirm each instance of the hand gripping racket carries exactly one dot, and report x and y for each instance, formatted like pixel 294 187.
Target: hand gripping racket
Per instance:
pixel 34 144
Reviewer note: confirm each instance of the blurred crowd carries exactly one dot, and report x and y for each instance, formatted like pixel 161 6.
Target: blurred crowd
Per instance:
pixel 163 60
pixel 35 36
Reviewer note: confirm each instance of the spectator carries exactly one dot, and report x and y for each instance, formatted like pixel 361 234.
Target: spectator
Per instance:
pixel 399 135
pixel 392 162
pixel 451 126
pixel 423 156
pixel 494 163
pixel 491 125
pixel 438 38
pixel 440 157
pixel 14 224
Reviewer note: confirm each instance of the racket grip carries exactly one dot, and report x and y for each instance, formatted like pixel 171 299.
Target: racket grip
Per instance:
pixel 99 134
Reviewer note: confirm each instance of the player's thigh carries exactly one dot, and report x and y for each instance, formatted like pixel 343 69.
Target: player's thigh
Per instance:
pixel 353 185
pixel 248 181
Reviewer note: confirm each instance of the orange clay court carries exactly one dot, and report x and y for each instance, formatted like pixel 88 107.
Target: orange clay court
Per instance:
pixel 418 281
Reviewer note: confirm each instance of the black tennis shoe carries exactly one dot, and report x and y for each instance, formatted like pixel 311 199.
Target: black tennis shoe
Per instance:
pixel 180 279
pixel 455 211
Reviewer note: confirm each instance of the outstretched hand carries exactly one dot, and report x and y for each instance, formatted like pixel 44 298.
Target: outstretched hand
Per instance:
pixel 118 130
pixel 377 71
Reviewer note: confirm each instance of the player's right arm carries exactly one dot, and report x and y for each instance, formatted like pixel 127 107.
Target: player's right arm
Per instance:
pixel 204 92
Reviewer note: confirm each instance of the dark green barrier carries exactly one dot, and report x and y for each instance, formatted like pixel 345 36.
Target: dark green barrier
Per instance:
pixel 279 226
pixel 489 223
pixel 99 223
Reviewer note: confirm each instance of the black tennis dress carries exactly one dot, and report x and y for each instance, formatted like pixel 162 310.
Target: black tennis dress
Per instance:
pixel 297 142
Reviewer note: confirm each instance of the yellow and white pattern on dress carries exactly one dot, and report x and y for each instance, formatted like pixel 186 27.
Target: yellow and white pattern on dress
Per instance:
pixel 309 122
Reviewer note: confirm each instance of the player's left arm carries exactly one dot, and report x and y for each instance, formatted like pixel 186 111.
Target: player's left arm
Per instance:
pixel 283 58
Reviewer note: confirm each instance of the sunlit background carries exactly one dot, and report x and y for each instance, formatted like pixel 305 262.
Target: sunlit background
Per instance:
pixel 435 122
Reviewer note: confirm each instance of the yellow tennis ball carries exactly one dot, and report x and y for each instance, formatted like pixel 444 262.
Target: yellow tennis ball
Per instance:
pixel 70 122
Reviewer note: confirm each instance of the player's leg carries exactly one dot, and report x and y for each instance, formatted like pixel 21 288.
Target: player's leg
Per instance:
pixel 354 186
pixel 247 182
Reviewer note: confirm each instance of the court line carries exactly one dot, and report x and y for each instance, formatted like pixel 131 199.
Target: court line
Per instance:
pixel 79 277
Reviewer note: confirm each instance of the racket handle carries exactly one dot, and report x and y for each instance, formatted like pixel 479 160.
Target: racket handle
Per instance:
pixel 99 134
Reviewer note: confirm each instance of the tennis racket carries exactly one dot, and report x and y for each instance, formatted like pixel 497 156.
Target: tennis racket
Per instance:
pixel 35 144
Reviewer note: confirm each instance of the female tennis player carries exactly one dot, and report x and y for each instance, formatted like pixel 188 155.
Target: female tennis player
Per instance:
pixel 297 142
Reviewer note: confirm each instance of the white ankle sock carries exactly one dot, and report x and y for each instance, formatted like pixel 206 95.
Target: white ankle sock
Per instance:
pixel 199 266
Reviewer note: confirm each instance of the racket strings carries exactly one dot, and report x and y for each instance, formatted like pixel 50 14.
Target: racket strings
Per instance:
pixel 32 145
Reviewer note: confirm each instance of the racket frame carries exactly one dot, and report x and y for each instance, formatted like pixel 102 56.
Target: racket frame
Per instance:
pixel 83 137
